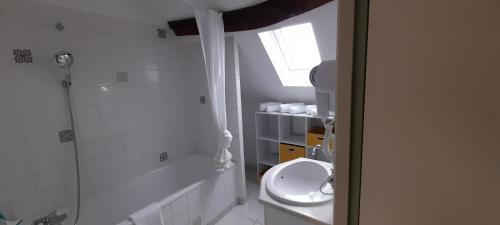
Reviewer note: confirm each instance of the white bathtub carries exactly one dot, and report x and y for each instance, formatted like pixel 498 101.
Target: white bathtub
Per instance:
pixel 188 189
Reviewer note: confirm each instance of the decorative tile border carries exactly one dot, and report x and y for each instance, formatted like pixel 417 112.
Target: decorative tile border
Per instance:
pixel 22 55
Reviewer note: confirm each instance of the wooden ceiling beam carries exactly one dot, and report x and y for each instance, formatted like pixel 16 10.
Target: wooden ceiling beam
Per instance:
pixel 253 17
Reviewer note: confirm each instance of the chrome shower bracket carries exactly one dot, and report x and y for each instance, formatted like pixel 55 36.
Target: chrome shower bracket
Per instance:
pixel 66 83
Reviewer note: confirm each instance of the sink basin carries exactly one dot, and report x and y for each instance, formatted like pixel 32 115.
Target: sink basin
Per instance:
pixel 298 182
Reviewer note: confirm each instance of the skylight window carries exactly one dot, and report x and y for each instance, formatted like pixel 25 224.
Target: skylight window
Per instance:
pixel 293 51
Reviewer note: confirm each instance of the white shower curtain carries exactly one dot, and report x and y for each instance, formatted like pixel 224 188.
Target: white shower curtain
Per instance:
pixel 211 29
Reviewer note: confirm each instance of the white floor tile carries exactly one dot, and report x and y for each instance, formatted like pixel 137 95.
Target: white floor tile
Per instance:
pixel 252 185
pixel 250 213
pixel 252 189
pixel 234 219
pixel 252 209
pixel 261 220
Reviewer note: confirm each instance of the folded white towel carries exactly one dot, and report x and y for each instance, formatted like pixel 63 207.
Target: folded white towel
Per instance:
pixel 125 222
pixel 297 109
pixel 273 108
pixel 150 215
pixel 310 108
pixel 314 112
pixel 263 106
pixel 285 108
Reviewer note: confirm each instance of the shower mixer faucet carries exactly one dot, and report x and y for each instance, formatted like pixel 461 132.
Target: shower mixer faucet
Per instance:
pixel 51 219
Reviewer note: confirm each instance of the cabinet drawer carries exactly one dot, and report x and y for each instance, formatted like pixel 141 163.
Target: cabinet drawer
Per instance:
pixel 314 139
pixel 291 152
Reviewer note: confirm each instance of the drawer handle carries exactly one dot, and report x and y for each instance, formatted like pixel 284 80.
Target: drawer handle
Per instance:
pixel 291 149
pixel 320 138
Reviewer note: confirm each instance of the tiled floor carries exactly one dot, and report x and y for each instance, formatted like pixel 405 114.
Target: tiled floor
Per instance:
pixel 250 213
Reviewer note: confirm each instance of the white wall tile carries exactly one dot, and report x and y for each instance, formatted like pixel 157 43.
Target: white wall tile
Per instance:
pixel 111 127
pixel 118 170
pixel 44 15
pixel 126 109
pixel 40 140
pixel 121 127
pixel 84 96
pixel 45 161
pixel 109 111
pixel 135 166
pixel 36 120
pixel 93 148
pixel 133 139
pixel 97 178
pixel 72 19
pixel 16 168
pixel 51 190
pixel 24 197
pixel 87 114
pixel 13 146
pixel 89 131
pixel 114 143
pixel 10 104
pixel 16 13
pixel 105 94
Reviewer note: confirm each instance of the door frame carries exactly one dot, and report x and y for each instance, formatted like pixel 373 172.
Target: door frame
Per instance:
pixel 352 43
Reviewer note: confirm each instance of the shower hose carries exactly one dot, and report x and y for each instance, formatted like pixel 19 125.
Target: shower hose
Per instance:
pixel 67 85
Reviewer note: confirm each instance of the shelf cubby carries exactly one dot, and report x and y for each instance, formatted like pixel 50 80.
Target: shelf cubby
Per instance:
pixel 267 126
pixel 313 123
pixel 268 152
pixel 292 130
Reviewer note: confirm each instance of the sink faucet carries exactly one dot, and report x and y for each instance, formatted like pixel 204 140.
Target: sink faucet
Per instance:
pixel 51 219
pixel 330 180
pixel 314 151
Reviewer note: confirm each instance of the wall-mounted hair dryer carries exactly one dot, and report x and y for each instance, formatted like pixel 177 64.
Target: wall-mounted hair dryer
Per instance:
pixel 324 79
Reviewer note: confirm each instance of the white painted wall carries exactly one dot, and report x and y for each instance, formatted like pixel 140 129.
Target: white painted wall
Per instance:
pixel 121 131
pixel 431 139
pixel 259 81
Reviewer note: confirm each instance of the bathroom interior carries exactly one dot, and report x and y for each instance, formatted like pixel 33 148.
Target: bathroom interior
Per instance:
pixel 120 112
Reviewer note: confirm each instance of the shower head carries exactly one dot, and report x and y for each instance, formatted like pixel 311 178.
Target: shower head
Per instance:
pixel 63 59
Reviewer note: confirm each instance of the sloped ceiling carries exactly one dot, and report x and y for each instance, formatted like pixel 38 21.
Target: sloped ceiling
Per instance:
pixel 258 73
pixel 260 82
pixel 150 11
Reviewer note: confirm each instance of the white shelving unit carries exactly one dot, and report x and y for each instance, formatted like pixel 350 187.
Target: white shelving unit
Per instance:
pixel 273 129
